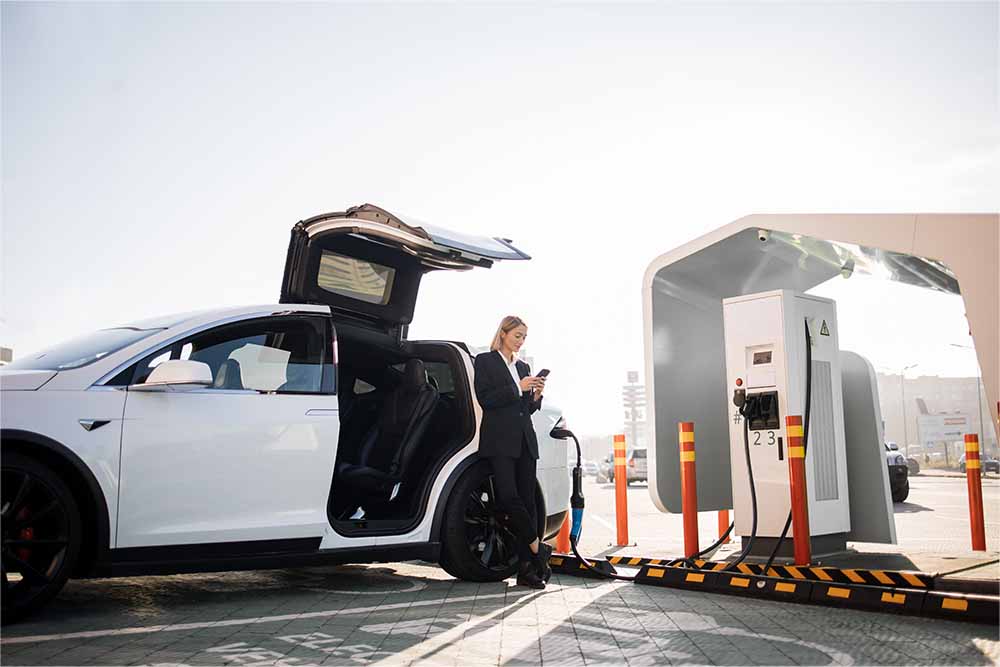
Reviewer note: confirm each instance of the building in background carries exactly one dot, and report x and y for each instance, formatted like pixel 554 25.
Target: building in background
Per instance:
pixel 905 403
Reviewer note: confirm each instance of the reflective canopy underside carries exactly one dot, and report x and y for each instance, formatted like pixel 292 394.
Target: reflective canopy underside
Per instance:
pixel 682 302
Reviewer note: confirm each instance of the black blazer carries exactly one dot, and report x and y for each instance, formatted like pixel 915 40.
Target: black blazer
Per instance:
pixel 506 411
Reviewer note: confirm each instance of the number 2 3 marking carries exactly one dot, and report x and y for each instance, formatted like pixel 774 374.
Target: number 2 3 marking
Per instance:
pixel 770 438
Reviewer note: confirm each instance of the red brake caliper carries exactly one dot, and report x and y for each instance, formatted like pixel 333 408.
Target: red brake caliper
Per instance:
pixel 25 534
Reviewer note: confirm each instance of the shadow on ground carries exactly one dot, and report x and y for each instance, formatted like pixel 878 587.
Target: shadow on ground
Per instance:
pixel 405 612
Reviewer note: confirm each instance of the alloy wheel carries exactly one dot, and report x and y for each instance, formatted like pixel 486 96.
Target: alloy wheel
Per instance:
pixel 36 538
pixel 489 538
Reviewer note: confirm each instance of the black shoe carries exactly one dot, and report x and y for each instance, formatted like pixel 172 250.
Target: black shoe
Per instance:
pixel 527 576
pixel 542 566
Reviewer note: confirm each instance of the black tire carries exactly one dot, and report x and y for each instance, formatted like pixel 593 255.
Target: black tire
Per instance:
pixel 475 543
pixel 42 533
pixel 913 465
pixel 902 493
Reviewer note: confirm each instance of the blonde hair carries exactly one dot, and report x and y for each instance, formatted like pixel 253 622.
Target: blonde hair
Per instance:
pixel 507 325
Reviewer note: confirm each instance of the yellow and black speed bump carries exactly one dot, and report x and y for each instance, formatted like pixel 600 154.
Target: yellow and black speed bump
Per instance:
pixel 635 561
pixel 962 606
pixel 676 577
pixel 565 564
pixel 738 583
pixel 868 597
pixel 891 578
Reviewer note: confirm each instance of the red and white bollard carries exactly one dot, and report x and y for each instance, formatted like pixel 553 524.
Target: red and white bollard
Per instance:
pixel 973 477
pixel 800 498
pixel 621 490
pixel 689 488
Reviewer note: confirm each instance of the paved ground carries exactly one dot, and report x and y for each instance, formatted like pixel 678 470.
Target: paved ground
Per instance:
pixel 933 523
pixel 409 612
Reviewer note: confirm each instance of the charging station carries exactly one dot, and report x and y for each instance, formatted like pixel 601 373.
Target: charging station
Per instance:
pixel 768 365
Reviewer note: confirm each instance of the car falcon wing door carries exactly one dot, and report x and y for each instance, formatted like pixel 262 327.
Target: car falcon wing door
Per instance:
pixel 368 263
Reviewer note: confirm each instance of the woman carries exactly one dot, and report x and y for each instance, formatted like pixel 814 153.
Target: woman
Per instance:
pixel 509 394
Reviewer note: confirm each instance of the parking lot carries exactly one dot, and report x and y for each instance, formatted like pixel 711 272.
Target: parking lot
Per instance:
pixel 934 519
pixel 395 614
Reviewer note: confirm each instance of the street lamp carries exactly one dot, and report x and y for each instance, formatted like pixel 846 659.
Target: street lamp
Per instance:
pixel 979 398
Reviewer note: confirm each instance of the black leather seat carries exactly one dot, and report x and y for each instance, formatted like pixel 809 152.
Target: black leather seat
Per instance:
pixel 388 447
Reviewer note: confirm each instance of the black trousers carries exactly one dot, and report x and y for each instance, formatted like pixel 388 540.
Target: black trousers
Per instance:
pixel 514 485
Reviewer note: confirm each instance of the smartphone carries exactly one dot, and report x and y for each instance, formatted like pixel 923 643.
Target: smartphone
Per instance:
pixel 542 373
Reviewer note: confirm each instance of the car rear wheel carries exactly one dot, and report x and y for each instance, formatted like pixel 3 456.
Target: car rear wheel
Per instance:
pixel 41 535
pixel 477 545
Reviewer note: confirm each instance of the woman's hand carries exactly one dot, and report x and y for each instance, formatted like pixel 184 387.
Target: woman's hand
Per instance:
pixel 528 383
pixel 539 388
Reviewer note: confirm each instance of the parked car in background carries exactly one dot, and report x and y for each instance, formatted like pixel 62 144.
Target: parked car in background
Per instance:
pixel 986 464
pixel 636 465
pixel 589 468
pixel 899 481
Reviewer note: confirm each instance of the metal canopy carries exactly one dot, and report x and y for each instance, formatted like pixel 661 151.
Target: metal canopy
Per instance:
pixel 682 311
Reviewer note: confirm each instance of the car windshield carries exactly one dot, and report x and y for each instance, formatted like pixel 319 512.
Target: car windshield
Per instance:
pixel 81 351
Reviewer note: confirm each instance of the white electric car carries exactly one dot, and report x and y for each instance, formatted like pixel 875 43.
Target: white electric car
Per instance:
pixel 308 432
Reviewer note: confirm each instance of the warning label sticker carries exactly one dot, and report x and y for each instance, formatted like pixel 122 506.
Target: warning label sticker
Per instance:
pixel 824 330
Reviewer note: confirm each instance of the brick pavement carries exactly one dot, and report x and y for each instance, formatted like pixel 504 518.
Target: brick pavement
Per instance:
pixel 410 613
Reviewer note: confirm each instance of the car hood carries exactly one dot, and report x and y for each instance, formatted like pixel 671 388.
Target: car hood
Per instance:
pixel 24 380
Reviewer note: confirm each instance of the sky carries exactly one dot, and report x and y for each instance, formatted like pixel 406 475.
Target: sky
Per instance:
pixel 155 156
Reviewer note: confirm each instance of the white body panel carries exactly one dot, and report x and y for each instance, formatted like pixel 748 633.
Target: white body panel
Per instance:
pixel 57 415
pixel 224 466
pixel 765 348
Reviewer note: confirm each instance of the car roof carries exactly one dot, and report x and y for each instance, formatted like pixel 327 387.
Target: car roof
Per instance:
pixel 213 314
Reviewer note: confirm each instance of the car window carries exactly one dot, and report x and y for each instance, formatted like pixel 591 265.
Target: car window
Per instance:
pixel 81 351
pixel 267 355
pixel 273 354
pixel 359 279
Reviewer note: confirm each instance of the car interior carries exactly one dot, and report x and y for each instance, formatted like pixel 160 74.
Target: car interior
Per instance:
pixel 405 410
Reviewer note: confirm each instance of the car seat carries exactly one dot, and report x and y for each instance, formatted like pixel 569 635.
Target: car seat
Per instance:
pixel 229 376
pixel 388 447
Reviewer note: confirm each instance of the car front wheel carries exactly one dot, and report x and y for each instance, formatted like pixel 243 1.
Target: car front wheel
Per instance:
pixel 477 544
pixel 41 535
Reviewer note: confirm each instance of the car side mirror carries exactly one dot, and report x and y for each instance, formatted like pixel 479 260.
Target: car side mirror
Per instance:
pixel 176 375
pixel 893 446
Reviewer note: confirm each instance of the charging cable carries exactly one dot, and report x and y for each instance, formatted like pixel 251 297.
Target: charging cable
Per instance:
pixel 577 503
pixel 805 442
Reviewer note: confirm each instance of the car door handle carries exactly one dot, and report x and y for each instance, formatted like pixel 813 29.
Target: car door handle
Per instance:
pixel 322 412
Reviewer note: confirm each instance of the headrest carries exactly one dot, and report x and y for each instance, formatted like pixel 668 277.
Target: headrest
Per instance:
pixel 414 375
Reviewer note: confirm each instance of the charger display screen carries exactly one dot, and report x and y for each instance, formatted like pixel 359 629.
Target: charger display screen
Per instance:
pixel 761 358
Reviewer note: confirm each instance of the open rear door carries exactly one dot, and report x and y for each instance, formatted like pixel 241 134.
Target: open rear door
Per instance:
pixel 367 262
